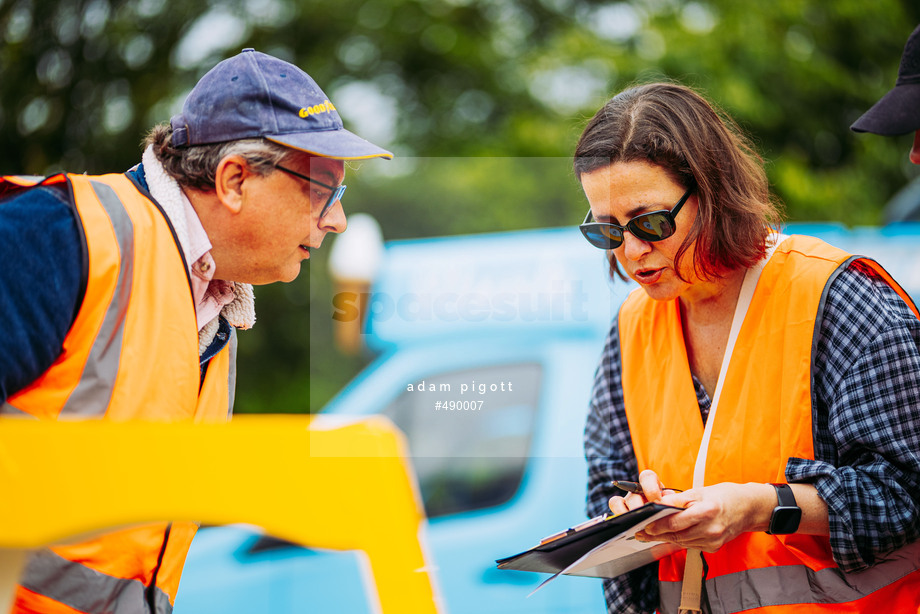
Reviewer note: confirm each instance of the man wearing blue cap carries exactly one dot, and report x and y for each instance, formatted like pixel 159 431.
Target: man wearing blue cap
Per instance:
pixel 898 111
pixel 122 293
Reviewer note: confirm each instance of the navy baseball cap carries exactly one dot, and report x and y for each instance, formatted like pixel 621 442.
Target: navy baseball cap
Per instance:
pixel 898 111
pixel 255 95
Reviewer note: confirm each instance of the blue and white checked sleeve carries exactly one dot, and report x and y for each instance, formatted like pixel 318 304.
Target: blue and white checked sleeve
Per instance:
pixel 866 420
pixel 610 456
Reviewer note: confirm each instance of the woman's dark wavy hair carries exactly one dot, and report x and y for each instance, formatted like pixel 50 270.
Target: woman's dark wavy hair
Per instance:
pixel 674 127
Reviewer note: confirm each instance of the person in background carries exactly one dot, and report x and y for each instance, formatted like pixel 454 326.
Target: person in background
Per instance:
pixel 898 111
pixel 122 293
pixel 774 379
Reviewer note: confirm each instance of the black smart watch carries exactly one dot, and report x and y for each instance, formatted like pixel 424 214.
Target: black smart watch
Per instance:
pixel 787 514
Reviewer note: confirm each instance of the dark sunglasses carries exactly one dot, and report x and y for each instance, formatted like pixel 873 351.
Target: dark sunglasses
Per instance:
pixel 653 226
pixel 335 194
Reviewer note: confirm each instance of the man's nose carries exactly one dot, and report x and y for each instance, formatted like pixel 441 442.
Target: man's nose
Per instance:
pixel 334 220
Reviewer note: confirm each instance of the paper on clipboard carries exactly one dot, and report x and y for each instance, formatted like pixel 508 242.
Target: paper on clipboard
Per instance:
pixel 606 560
pixel 562 551
pixel 619 554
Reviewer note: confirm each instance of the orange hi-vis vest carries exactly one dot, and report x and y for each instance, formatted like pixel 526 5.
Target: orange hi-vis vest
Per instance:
pixel 764 418
pixel 131 354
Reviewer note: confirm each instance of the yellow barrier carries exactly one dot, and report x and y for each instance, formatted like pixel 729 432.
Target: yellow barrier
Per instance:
pixel 337 486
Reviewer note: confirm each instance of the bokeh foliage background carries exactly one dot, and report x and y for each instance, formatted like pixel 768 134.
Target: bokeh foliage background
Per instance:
pixel 496 82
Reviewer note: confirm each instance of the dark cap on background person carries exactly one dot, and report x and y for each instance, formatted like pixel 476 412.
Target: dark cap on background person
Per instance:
pixel 253 95
pixel 898 111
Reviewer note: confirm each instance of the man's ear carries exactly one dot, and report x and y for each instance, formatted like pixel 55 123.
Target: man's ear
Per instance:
pixel 231 174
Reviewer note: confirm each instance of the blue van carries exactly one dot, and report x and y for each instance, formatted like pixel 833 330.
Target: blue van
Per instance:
pixel 486 348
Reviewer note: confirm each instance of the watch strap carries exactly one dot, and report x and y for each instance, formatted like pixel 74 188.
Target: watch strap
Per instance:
pixel 787 514
pixel 784 495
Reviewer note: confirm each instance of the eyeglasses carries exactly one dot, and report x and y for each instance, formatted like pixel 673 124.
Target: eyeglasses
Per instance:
pixel 652 226
pixel 335 194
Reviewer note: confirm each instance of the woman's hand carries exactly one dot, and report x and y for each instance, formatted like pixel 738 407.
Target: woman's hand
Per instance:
pixel 653 491
pixel 714 516
pixel 717 514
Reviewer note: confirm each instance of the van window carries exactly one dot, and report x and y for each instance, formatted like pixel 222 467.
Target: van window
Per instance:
pixel 469 433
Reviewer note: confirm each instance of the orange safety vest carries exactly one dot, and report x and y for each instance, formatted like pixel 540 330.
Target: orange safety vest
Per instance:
pixel 131 353
pixel 764 418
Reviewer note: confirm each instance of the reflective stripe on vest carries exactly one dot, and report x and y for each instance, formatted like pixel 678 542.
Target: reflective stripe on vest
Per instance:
pixel 8 410
pixel 135 336
pixel 803 587
pixel 131 353
pixel 91 397
pixel 87 590
pixel 764 418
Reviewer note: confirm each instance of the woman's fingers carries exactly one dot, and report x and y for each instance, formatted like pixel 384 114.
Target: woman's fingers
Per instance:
pixel 651 485
pixel 621 505
pixel 713 516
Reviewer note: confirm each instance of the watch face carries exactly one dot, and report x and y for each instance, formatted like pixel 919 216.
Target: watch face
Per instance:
pixel 785 520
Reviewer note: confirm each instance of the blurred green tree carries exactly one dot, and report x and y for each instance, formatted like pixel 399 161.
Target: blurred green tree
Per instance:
pixel 494 83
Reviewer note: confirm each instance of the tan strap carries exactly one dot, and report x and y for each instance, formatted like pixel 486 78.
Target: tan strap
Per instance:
pixel 691 589
pixel 690 592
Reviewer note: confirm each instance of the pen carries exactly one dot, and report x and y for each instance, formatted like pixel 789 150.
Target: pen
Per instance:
pixel 634 487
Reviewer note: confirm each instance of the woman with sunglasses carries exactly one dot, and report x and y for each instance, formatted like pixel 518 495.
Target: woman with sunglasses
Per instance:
pixel 775 379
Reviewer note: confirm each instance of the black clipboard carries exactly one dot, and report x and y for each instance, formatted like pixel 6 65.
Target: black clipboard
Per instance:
pixel 557 555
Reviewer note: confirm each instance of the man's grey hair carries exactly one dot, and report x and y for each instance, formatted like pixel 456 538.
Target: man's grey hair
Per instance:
pixel 196 167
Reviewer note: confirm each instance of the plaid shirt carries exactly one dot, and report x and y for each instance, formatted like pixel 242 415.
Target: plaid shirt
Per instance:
pixel 866 391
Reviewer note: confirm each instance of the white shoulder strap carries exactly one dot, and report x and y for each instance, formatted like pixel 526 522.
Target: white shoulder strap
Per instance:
pixel 693 567
pixel 744 301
